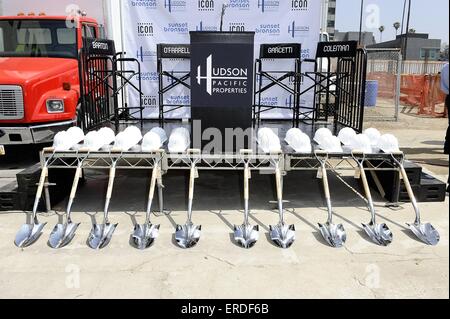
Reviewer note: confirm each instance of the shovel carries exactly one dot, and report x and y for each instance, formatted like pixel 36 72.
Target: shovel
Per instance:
pixel 28 234
pixel 425 232
pixel 246 235
pixel 187 236
pixel 282 235
pixel 144 235
pixel 378 233
pixel 63 234
pixel 333 234
pixel 100 235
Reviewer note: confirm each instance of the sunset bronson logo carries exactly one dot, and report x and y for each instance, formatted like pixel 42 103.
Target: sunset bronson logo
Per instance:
pixel 221 80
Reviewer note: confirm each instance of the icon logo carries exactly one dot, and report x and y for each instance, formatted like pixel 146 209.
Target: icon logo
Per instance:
pixel 237 27
pixel 223 80
pixel 145 29
pixel 299 5
pixel 149 101
pixel 205 5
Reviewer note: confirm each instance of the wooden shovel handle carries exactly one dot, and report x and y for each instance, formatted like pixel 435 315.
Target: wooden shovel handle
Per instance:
pixel 326 186
pixel 112 176
pixel 75 183
pixel 153 182
pixel 40 188
pixel 246 183
pixel 191 183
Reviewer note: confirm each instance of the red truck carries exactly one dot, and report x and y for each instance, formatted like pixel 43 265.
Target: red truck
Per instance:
pixel 39 75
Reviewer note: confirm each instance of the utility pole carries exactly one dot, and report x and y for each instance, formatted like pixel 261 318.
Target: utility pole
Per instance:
pixel 361 22
pixel 405 52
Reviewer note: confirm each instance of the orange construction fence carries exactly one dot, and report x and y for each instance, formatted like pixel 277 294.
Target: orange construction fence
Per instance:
pixel 421 91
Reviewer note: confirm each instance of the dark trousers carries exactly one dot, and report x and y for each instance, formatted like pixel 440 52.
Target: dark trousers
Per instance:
pixel 447 137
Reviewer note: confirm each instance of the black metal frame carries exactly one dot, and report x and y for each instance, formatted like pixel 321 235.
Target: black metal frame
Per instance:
pixel 99 76
pixel 259 89
pixel 349 80
pixel 177 77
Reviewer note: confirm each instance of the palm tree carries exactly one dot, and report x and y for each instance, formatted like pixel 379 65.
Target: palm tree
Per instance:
pixel 396 27
pixel 381 28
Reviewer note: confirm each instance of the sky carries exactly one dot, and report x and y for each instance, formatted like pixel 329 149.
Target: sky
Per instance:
pixel 427 16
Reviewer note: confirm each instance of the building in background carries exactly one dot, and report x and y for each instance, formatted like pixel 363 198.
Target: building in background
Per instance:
pixel 328 18
pixel 367 38
pixel 420 46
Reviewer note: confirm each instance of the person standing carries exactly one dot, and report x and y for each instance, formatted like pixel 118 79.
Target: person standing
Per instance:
pixel 445 89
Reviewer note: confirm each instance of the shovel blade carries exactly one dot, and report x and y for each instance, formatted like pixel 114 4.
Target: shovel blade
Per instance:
pixel 282 235
pixel 187 236
pixel 334 235
pixel 28 234
pixel 246 235
pixel 426 233
pixel 57 236
pixel 144 236
pixel 380 234
pixel 101 235
pixel 62 235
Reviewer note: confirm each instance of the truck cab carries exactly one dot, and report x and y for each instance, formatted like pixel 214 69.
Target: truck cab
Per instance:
pixel 39 75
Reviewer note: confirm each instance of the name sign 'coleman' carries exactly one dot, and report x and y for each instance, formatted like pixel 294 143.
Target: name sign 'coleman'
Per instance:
pixel 174 51
pixel 337 49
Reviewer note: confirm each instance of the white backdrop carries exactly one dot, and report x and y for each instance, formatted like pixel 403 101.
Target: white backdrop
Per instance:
pixel 149 22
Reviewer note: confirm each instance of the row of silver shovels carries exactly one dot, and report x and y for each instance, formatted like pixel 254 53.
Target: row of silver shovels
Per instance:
pixel 63 234
pixel 425 232
pixel 378 233
pixel 188 235
pixel 334 235
pixel 101 234
pixel 30 233
pixel 246 235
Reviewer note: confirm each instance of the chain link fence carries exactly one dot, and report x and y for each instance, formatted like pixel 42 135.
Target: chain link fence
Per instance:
pixel 383 84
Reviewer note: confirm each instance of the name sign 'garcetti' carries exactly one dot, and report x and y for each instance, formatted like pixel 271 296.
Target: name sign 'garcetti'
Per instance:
pixel 280 51
pixel 174 51
pixel 100 47
pixel 337 49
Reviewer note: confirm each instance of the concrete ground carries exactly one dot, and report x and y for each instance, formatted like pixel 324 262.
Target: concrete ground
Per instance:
pixel 217 268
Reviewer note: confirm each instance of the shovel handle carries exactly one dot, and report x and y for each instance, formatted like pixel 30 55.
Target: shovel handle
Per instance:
pixel 112 176
pixel 278 183
pixel 411 195
pixel 75 183
pixel 40 188
pixel 246 182
pixel 191 183
pixel 153 183
pixel 326 186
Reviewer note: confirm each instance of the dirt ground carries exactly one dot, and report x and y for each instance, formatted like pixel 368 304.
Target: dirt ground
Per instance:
pixel 217 268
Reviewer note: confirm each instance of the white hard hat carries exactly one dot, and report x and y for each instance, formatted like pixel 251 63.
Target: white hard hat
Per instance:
pixel 270 143
pixel 93 141
pixel 388 143
pixel 151 142
pixel 161 132
pixel 331 144
pixel 179 140
pixel 264 131
pixel 299 141
pixel 346 135
pixel 134 132
pixel 76 134
pixel 361 143
pixel 62 141
pixel 374 135
pixel 322 134
pixel 107 135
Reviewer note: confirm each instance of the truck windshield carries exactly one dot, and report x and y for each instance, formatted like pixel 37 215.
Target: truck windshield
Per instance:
pixel 37 38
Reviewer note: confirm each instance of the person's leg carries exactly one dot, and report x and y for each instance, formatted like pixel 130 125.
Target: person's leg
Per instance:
pixel 447 137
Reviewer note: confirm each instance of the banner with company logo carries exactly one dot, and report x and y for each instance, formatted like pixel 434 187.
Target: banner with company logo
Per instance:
pixel 146 23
